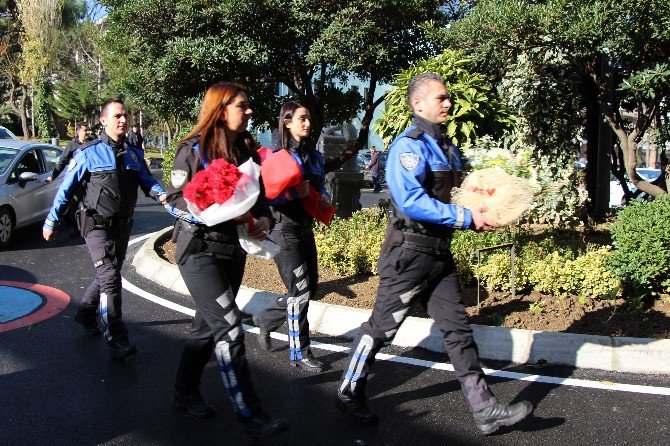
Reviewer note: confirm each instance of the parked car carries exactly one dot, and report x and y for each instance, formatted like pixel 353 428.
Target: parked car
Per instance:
pixel 25 197
pixel 6 134
pixel 616 191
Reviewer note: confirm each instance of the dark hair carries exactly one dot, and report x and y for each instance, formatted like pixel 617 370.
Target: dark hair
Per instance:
pixel 213 140
pixel 106 104
pixel 419 82
pixel 81 124
pixel 286 112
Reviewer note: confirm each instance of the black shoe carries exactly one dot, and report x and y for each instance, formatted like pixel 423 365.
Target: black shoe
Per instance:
pixel 121 347
pixel 193 404
pixel 262 426
pixel 358 408
pixel 309 363
pixel 490 419
pixel 264 340
pixel 88 320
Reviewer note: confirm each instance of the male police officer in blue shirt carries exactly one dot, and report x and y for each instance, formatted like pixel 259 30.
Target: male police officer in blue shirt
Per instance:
pixel 111 170
pixel 416 263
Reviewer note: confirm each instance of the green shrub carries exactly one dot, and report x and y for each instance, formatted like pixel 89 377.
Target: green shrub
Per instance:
pixel 550 275
pixel 465 243
pixel 495 274
pixel 641 236
pixel 590 276
pixel 352 245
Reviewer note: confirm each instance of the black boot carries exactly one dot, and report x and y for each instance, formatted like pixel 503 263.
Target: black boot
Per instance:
pixel 309 363
pixel 193 404
pixel 264 340
pixel 87 318
pixel 490 419
pixel 357 407
pixel 262 426
pixel 120 347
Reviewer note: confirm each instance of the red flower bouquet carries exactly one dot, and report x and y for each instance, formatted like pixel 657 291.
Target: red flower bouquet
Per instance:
pixel 223 191
pixel 215 184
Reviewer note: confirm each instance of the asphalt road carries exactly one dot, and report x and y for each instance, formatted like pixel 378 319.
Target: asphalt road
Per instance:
pixel 58 387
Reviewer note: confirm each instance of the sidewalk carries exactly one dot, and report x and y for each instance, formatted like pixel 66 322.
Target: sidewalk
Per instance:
pixel 633 355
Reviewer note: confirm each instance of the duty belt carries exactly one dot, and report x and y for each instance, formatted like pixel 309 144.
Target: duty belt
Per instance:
pixel 197 231
pixel 110 222
pixel 435 243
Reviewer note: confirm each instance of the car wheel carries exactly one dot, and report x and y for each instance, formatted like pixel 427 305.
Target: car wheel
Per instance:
pixel 6 227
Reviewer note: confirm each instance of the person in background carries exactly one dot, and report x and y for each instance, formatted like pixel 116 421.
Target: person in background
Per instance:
pixel 81 137
pixel 109 171
pixel 416 262
pixel 373 167
pixel 211 262
pixel 297 260
pixel 135 137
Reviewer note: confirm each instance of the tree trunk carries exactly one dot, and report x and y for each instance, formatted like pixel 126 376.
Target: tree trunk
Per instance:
pixel 362 140
pixel 20 110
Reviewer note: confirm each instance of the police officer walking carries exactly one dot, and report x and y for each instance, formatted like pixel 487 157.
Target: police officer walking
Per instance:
pixel 111 170
pixel 416 262
pixel 211 261
pixel 297 261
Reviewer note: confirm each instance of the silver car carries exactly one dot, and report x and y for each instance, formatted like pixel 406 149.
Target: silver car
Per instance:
pixel 25 197
pixel 6 134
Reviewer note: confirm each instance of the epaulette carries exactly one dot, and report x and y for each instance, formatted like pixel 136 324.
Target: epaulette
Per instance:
pixel 414 133
pixel 89 144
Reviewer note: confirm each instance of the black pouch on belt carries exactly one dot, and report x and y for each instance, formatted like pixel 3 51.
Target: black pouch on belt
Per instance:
pixel 189 241
pixel 85 222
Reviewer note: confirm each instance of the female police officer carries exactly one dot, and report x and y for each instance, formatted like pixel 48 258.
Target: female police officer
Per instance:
pixel 297 261
pixel 211 263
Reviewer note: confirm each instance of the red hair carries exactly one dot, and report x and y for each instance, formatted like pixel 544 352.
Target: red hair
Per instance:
pixel 213 139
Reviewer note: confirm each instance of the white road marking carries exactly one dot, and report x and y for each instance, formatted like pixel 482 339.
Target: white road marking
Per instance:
pixel 573 382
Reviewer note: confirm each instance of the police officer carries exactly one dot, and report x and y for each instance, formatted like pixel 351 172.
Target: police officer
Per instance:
pixel 416 263
pixel 65 157
pixel 212 262
pixel 112 170
pixel 297 260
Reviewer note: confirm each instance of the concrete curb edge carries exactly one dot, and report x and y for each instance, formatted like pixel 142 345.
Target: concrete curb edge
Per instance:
pixel 618 354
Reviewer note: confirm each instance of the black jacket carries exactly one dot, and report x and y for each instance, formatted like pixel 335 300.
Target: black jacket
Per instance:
pixel 187 163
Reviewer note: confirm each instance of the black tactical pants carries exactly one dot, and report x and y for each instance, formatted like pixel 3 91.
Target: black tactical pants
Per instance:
pixel 107 247
pixel 213 283
pixel 298 268
pixel 407 273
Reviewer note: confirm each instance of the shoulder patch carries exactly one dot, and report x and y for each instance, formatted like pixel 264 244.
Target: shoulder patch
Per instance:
pixel 178 178
pixel 409 160
pixel 71 165
pixel 133 156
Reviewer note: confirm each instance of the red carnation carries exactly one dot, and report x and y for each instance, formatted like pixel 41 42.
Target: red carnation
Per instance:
pixel 215 184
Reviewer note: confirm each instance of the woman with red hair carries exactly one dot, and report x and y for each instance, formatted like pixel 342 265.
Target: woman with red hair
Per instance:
pixel 211 262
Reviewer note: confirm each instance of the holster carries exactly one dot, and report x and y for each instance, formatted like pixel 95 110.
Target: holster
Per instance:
pixel 188 238
pixel 85 221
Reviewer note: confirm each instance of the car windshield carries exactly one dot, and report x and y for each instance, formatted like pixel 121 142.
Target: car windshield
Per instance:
pixel 6 134
pixel 6 157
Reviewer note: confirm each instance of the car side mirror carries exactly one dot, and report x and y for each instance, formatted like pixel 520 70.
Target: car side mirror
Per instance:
pixel 28 176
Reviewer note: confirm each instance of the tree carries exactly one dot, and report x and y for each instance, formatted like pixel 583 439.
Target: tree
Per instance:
pixel 165 54
pixel 16 94
pixel 476 110
pixel 631 37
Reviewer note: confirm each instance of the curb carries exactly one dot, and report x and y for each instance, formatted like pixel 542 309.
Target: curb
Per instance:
pixel 609 353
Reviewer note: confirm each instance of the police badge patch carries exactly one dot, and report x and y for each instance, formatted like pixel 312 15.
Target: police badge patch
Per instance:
pixel 133 156
pixel 178 178
pixel 409 161
pixel 71 165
